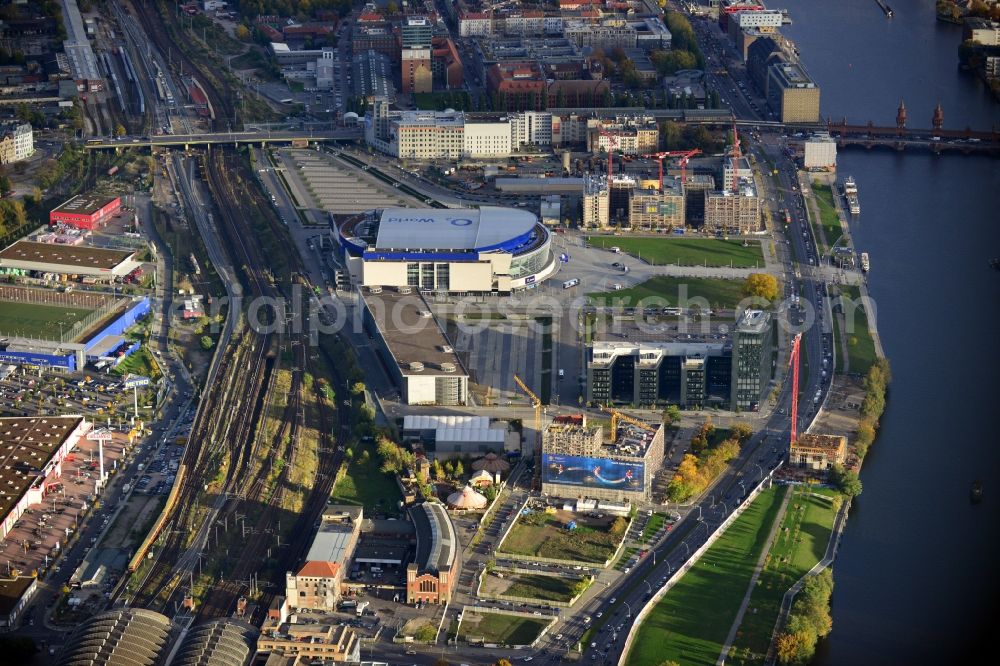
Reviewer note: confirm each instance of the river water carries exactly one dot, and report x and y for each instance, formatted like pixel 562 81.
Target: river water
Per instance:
pixel 916 579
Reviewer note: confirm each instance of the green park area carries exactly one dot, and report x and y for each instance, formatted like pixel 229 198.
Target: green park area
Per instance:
pixel 364 484
pixel 653 525
pixel 828 217
pixel 664 290
pixel 860 344
pixel 38 321
pixel 500 628
pixel 686 251
pixel 140 362
pixel 545 535
pixel 691 622
pixel 800 543
pixel 545 588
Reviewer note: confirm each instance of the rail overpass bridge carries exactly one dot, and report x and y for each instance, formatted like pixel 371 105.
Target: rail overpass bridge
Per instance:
pixel 259 137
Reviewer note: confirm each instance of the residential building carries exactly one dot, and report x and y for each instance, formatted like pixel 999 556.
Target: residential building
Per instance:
pixel 305 643
pixel 625 135
pixel 434 574
pixel 316 585
pixel 416 76
pixel 653 209
pixel 375 37
pixel 695 186
pixel 818 452
pixel 577 462
pixel 446 64
pixel 517 86
pixel 792 94
pixel 596 200
pixel 753 351
pixel 981 31
pixel 475 24
pixel 610 33
pixel 531 128
pixel 735 169
pixel 16 142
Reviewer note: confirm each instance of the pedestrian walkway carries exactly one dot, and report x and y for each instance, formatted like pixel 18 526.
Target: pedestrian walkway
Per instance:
pixel 753 579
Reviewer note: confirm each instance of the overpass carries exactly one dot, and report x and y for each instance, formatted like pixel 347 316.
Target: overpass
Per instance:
pixel 259 137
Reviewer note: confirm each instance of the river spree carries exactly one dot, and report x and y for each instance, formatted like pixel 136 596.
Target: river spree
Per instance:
pixel 916 578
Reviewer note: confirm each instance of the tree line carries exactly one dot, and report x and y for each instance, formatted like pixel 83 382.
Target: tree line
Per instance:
pixel 706 462
pixel 808 621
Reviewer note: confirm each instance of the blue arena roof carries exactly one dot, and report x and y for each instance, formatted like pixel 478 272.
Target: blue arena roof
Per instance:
pixel 458 230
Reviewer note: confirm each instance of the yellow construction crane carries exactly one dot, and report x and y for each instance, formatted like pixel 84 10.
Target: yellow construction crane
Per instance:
pixel 535 402
pixel 617 416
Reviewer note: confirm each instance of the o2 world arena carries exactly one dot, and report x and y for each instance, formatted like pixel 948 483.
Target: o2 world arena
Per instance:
pixel 457 250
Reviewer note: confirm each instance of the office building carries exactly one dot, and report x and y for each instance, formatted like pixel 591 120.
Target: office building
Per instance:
pixel 792 94
pixel 446 64
pixel 415 32
pixel 753 359
pixel 296 644
pixel 532 128
pixel 819 152
pixel 734 212
pixel 692 375
pixel 608 34
pixel 695 186
pixel 577 463
pixel 417 75
pixel 818 452
pixel 517 86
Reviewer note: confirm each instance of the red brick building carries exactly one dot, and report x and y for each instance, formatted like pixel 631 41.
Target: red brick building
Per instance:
pixel 578 93
pixel 517 86
pixel 433 575
pixel 85 211
pixel 447 64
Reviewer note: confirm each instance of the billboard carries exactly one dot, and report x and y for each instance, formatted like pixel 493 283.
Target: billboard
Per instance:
pixel 593 472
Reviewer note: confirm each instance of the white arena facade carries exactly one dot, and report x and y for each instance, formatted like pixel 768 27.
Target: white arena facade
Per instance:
pixel 456 250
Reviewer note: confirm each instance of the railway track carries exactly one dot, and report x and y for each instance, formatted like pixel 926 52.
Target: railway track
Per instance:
pixel 153 26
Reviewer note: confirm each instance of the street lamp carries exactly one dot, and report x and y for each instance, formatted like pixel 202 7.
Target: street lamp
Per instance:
pixel 628 609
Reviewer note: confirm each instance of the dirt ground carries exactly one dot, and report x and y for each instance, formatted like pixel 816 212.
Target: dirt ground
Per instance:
pixel 138 511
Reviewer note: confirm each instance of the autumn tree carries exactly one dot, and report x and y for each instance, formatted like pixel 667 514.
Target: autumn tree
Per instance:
pixel 618 527
pixel 120 130
pixel 761 285
pixel 243 33
pixel 459 469
pixel 741 431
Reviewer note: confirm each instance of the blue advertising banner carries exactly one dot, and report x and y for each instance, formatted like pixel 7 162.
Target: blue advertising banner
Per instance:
pixel 592 472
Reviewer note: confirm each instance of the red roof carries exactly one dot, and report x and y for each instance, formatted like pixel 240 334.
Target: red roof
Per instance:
pixel 369 17
pixel 320 569
pixel 474 15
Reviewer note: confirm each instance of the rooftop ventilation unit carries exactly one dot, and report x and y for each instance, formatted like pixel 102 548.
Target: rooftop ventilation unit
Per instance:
pixel 424 314
pixel 375 290
pixel 447 349
pixel 448 367
pixel 416 366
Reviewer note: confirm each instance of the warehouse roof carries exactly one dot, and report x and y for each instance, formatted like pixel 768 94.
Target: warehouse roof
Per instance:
pixel 84 204
pixel 27 444
pixel 331 544
pixel 436 540
pixel 64 255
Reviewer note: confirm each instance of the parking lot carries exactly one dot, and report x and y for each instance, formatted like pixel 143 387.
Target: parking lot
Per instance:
pixel 96 395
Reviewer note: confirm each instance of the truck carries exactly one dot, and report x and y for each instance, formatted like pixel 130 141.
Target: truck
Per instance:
pixel 360 609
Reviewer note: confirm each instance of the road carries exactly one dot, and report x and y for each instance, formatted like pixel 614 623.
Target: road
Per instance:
pixel 208 138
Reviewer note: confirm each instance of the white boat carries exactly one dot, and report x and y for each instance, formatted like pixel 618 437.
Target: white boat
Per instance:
pixel 865 263
pixel 851 194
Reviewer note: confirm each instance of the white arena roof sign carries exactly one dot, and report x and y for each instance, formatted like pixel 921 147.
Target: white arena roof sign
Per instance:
pixel 464 229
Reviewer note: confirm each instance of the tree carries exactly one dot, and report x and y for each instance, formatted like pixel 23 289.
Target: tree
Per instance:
pixel 671 415
pixel 5 186
pixel 358 389
pixel 425 634
pixel 449 469
pixel 441 661
pixel 120 130
pixel 206 342
pixel 437 471
pixel 618 527
pixel 846 481
pixel 243 33
pixel 502 662
pixel 459 469
pixel 761 285
pixel 741 431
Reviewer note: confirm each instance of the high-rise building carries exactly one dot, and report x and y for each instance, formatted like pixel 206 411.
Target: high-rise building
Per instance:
pixel 792 94
pixel 736 212
pixel 416 31
pixel 596 199
pixel 753 351
pixel 417 74
pixel 653 209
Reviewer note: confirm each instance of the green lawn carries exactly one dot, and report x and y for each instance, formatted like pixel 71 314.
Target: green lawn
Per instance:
pixel 799 545
pixel 364 484
pixel 829 219
pixel 537 586
pixel 626 555
pixel 140 363
pixel 38 321
pixel 655 523
pixel 665 290
pixel 691 622
pixel 501 628
pixel 687 251
pixel 860 345
pixel 550 539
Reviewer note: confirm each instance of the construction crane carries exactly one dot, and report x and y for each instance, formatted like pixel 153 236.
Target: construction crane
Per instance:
pixel 793 361
pixel 617 416
pixel 685 155
pixel 737 155
pixel 612 146
pixel 535 402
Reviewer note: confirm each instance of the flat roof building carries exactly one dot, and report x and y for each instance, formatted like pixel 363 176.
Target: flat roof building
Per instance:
pixel 86 211
pixel 792 94
pixel 317 584
pixel 578 463
pixel 734 212
pixel 753 359
pixel 456 435
pixel 68 259
pixel 416 351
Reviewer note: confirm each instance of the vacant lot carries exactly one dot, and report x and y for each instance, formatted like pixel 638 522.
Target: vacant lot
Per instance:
pixel 533 586
pixel 664 290
pixel 687 251
pixel 691 622
pixel 500 628
pixel 860 345
pixel 801 543
pixel 828 217
pixel 546 535
pixel 366 485
pixel 38 321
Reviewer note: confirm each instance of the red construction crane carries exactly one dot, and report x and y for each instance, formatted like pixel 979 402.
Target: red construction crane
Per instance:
pixel 737 155
pixel 685 155
pixel 612 144
pixel 733 9
pixel 793 361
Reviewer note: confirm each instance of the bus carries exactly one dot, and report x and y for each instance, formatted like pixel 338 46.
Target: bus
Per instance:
pixel 571 283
